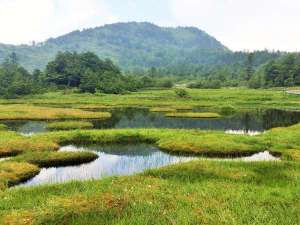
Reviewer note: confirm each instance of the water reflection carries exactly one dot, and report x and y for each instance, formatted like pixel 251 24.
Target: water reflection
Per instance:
pixel 242 123
pixel 113 160
pixel 248 122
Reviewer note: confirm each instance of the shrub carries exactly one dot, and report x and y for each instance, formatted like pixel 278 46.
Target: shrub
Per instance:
pixel 182 93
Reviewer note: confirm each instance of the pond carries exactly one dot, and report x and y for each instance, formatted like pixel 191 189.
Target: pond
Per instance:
pixel 119 160
pixel 240 123
pixel 113 160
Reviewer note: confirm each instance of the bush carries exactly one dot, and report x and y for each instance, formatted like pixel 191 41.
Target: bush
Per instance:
pixel 182 93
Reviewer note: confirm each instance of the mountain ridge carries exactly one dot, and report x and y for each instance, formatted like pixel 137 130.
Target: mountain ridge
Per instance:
pixel 131 45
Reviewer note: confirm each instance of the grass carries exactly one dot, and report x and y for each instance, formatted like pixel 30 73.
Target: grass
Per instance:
pixel 198 192
pixel 56 159
pixel 239 98
pixel 194 115
pixel 69 125
pixel 12 173
pixel 3 127
pixel 162 109
pixel 29 112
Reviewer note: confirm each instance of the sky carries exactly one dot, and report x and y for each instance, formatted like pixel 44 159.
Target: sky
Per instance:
pixel 238 24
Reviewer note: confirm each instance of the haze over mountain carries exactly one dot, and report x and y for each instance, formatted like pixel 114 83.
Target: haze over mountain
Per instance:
pixel 130 45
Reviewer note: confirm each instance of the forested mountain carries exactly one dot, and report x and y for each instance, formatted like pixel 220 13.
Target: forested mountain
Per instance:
pixel 130 45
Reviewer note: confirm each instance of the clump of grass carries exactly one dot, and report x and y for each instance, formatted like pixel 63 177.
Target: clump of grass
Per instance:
pixel 56 159
pixel 162 109
pixel 12 173
pixel 227 110
pixel 28 112
pixel 70 125
pixel 3 127
pixel 12 144
pixel 194 115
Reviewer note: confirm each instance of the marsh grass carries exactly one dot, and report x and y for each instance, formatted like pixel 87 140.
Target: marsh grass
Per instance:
pixel 70 125
pixel 162 109
pixel 29 112
pixel 56 159
pixel 194 115
pixel 12 173
pixel 3 127
pixel 198 192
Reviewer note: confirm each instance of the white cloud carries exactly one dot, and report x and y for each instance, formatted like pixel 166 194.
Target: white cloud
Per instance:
pixel 243 24
pixel 23 21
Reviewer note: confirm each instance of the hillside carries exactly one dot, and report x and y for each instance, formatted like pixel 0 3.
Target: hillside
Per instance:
pixel 131 45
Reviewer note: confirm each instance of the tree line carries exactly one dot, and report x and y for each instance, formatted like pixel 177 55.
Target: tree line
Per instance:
pixel 86 72
pixel 82 72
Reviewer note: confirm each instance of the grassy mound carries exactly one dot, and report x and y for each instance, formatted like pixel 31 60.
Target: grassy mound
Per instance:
pixel 12 173
pixel 162 109
pixel 70 125
pixel 3 127
pixel 56 159
pixel 194 115
pixel 29 112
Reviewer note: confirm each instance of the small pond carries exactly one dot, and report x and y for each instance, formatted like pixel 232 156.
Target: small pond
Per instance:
pixel 113 160
pixel 251 123
pixel 119 160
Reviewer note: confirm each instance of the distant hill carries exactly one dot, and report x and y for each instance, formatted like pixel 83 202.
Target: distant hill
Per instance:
pixel 130 45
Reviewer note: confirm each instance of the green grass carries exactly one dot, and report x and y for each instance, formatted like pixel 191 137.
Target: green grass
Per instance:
pixel 29 112
pixel 3 127
pixel 56 159
pixel 199 192
pixel 194 115
pixel 162 109
pixel 69 125
pixel 238 98
pixel 12 173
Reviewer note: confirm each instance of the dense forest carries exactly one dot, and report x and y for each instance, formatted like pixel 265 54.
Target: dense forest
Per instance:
pixel 86 72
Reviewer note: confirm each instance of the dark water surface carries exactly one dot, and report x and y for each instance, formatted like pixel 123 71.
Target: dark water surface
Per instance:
pixel 241 122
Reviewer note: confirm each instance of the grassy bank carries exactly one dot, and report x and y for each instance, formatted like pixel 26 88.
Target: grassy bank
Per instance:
pixel 199 192
pixel 194 115
pixel 238 98
pixel 69 125
pixel 29 112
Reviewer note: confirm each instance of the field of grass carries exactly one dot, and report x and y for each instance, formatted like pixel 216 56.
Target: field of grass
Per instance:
pixel 69 125
pixel 238 98
pixel 29 112
pixel 197 192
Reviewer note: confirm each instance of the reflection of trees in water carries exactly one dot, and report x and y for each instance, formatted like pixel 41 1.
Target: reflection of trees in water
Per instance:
pixel 117 115
pixel 280 118
pixel 248 121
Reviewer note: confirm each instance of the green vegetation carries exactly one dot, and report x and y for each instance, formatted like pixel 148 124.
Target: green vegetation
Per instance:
pixel 56 159
pixel 12 173
pixel 194 115
pixel 69 125
pixel 210 100
pixel 162 109
pixel 199 192
pixel 3 127
pixel 29 112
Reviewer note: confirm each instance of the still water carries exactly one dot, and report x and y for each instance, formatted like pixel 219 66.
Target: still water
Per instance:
pixel 113 160
pixel 120 160
pixel 240 123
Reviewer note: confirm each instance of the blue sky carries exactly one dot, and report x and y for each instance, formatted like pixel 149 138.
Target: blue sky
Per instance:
pixel 239 24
